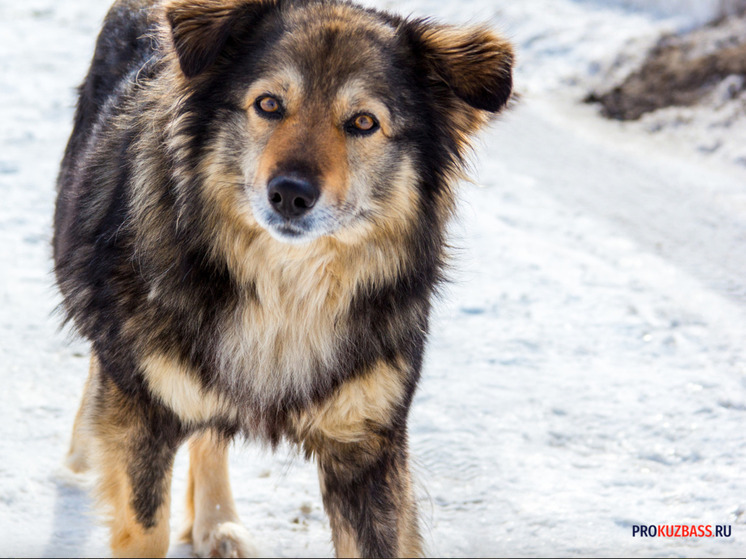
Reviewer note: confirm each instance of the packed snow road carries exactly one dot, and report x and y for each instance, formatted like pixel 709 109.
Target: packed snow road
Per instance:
pixel 586 372
pixel 692 217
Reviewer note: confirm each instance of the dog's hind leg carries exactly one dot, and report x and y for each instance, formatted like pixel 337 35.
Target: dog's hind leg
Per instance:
pixel 213 525
pixel 79 456
pixel 135 442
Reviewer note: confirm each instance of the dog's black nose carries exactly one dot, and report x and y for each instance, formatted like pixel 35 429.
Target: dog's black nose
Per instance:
pixel 291 196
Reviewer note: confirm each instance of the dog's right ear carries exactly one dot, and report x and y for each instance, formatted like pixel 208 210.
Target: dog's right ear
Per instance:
pixel 474 63
pixel 200 29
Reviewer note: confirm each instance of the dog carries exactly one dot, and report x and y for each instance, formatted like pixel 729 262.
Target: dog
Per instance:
pixel 250 231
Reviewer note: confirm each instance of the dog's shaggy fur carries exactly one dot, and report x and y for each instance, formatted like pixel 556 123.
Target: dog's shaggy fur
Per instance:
pixel 249 230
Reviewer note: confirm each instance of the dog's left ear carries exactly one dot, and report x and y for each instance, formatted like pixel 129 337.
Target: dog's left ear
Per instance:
pixel 200 29
pixel 474 62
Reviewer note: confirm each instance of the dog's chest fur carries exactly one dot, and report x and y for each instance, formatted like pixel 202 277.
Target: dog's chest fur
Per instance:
pixel 286 331
pixel 277 348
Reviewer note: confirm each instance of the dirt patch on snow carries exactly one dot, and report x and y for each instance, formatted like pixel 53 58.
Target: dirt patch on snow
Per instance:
pixel 682 70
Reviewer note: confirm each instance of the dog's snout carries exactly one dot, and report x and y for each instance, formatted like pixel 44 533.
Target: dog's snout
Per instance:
pixel 291 196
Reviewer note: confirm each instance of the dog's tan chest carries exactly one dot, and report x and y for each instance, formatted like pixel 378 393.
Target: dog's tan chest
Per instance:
pixel 286 330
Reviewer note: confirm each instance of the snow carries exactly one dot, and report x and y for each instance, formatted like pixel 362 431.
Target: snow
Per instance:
pixel 586 370
pixel 693 12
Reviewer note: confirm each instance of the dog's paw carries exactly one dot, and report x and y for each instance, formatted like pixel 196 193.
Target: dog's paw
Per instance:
pixel 228 539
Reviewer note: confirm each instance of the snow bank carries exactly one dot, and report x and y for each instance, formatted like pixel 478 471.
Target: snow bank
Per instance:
pixel 691 85
pixel 691 13
pixel 570 48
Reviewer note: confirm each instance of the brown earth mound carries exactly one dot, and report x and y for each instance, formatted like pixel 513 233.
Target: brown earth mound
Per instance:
pixel 680 70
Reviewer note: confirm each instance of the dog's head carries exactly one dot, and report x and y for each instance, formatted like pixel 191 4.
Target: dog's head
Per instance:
pixel 333 119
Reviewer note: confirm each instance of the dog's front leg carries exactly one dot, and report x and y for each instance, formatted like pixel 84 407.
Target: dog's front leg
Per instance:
pixel 367 494
pixel 359 437
pixel 135 442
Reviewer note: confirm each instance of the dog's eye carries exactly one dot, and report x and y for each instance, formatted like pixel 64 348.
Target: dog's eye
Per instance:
pixel 267 105
pixel 365 123
pixel 362 124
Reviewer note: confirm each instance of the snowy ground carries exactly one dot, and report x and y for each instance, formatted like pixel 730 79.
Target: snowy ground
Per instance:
pixel 586 371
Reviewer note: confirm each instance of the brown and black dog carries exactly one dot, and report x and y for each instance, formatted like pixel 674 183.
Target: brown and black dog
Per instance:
pixel 250 230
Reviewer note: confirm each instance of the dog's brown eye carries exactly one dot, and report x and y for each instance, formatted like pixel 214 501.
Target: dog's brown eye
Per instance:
pixel 268 106
pixel 362 124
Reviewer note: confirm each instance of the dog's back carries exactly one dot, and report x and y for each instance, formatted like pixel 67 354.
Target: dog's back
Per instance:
pixel 123 46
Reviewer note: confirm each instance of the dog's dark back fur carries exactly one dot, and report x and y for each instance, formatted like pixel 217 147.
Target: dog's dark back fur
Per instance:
pixel 145 242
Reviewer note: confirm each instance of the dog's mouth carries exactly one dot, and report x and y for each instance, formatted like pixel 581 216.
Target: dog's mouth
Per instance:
pixel 293 231
pixel 289 233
